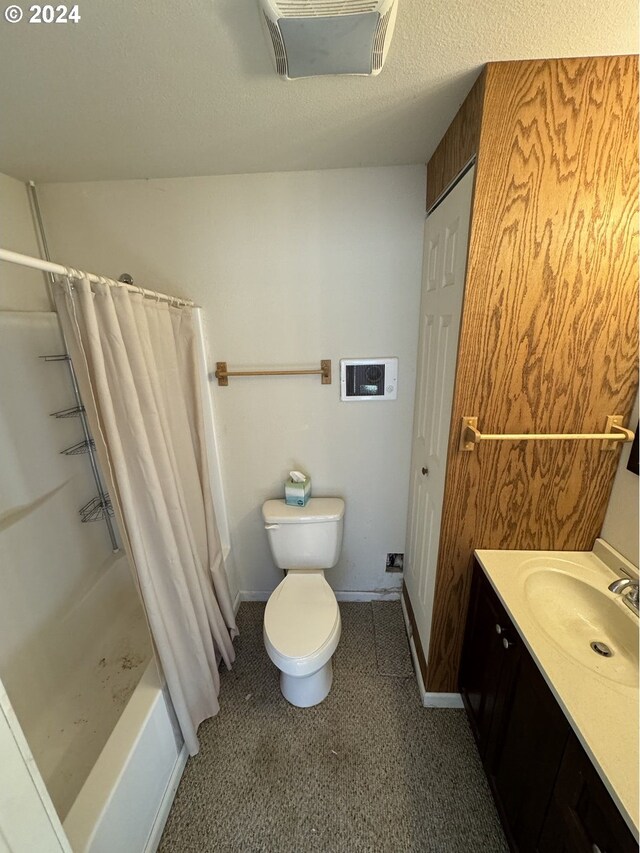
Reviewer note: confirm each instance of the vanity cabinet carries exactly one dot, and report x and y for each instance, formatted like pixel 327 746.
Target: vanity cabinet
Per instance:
pixel 520 730
pixel 582 817
pixel 549 797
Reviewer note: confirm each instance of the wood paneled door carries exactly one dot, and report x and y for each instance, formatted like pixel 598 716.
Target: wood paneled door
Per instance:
pixel 443 275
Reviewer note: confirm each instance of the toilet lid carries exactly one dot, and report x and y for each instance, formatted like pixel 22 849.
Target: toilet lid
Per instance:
pixel 301 614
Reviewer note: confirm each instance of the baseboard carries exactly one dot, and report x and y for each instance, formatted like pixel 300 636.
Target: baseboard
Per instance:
pixel 442 700
pixel 341 595
pixel 412 646
pixel 416 668
pixel 167 801
pixel 252 595
pixel 412 631
pixel 384 595
pixel 429 700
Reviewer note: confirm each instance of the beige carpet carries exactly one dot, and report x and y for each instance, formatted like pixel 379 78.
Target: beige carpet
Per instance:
pixel 369 769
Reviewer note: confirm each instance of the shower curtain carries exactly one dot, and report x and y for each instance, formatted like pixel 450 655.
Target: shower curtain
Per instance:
pixel 136 366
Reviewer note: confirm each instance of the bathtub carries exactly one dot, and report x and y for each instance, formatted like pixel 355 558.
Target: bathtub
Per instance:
pixel 125 797
pixel 88 697
pixel 125 801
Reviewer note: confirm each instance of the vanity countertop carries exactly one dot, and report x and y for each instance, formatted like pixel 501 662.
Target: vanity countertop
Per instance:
pixel 603 712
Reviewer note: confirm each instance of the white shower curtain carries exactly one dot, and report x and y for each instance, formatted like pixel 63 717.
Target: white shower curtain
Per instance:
pixel 136 364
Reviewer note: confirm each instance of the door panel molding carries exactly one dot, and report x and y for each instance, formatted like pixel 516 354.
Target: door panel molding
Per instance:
pixel 444 267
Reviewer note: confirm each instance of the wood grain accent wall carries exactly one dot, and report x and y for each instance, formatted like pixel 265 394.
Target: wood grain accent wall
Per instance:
pixel 549 336
pixel 458 145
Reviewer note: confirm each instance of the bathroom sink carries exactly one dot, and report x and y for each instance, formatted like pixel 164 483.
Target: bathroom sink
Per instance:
pixel 586 622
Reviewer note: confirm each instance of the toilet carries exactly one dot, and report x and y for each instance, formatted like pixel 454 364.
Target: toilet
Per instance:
pixel 302 621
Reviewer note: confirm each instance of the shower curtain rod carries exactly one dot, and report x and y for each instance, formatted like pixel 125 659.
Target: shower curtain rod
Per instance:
pixel 48 266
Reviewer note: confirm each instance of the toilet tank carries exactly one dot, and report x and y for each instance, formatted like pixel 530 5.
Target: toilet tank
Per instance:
pixel 305 537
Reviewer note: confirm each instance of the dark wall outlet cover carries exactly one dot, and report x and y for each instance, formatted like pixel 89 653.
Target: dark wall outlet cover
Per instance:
pixel 395 562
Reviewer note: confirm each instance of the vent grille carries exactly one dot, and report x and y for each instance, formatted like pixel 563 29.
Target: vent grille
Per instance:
pixel 324 8
pixel 278 48
pixel 377 52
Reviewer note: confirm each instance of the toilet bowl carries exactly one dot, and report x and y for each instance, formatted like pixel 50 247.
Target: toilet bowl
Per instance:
pixel 302 620
pixel 302 628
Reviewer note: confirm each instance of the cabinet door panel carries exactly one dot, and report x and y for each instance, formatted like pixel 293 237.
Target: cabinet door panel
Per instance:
pixel 526 767
pixel 483 658
pixel 583 818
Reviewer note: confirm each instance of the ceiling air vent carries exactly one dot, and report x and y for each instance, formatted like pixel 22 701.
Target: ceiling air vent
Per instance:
pixel 279 56
pixel 320 8
pixel 378 52
pixel 319 37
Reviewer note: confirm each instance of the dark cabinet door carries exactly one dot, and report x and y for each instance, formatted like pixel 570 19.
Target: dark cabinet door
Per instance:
pixel 520 729
pixel 483 659
pixel 527 755
pixel 582 817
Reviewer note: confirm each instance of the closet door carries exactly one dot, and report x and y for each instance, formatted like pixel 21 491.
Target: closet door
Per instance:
pixel 443 277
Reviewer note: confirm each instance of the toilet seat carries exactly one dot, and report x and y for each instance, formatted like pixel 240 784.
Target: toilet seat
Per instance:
pixel 301 623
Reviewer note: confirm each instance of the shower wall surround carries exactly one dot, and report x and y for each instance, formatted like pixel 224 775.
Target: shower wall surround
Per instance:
pixel 289 268
pixel 21 289
pixel 50 563
pixel 46 553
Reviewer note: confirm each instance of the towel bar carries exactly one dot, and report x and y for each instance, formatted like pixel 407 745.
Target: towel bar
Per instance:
pixel 614 433
pixel 222 374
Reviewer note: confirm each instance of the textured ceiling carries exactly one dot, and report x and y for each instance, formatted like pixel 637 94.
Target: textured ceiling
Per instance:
pixel 159 89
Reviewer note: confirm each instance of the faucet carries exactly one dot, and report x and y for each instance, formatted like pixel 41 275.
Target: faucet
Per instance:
pixel 631 598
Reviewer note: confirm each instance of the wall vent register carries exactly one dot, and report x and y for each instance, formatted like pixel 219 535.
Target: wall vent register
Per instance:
pixel 368 379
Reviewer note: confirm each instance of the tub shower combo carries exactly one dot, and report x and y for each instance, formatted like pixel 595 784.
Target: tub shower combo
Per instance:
pixel 94 685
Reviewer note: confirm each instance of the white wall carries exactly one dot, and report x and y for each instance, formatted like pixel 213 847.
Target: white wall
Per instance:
pixel 620 526
pixel 289 268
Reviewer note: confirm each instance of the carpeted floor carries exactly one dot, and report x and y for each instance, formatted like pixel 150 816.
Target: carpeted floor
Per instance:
pixel 369 769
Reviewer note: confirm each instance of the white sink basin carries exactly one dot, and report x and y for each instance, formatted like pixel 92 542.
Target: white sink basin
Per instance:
pixel 574 614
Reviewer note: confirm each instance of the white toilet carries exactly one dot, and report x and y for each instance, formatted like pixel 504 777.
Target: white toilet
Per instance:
pixel 302 621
